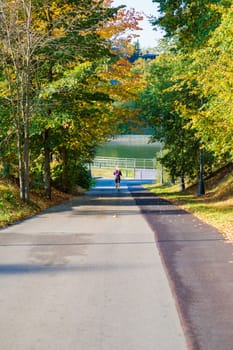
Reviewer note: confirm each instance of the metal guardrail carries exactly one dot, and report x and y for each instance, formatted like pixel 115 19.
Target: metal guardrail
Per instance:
pixel 124 163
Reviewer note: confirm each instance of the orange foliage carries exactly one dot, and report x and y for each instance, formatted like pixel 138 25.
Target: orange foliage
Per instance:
pixel 122 25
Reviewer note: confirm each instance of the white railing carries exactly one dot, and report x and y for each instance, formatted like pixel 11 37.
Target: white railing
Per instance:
pixel 126 163
pixel 136 167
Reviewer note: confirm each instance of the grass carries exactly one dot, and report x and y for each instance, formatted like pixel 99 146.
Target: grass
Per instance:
pixel 215 207
pixel 108 173
pixel 12 209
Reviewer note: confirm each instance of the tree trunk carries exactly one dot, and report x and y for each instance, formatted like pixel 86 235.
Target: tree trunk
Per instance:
pixel 47 168
pixel 26 169
pixel 182 184
pixel 26 149
pixel 21 168
pixel 65 170
pixel 47 149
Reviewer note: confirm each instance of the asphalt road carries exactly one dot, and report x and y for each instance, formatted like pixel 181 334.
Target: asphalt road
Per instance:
pixel 87 275
pixel 198 261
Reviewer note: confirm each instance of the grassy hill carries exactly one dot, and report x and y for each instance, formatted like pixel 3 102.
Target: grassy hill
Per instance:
pixel 215 207
pixel 12 209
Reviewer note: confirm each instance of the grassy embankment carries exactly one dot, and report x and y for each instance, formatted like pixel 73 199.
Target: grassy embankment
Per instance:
pixel 215 207
pixel 12 209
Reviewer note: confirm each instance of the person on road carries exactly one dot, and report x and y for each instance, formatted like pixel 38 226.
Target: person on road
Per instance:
pixel 117 173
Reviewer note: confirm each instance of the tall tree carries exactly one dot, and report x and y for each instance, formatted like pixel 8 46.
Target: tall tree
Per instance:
pixel 16 47
pixel 54 54
pixel 189 22
pixel 73 29
pixel 201 34
pixel 37 41
pixel 160 105
pixel 212 71
pixel 93 45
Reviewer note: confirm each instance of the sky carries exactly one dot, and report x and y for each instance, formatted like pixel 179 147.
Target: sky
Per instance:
pixel 148 36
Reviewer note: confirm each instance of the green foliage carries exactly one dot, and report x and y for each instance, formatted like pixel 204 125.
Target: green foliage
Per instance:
pixel 160 103
pixel 7 195
pixel 212 68
pixel 189 22
pixel 188 98
pixel 78 175
pixel 56 97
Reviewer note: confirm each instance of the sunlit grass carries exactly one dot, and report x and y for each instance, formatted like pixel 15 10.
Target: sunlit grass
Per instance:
pixel 216 210
pixel 12 209
pixel 108 173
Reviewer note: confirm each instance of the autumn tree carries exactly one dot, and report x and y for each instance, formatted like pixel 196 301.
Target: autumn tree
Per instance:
pixel 53 89
pixel 199 37
pixel 17 43
pixel 92 92
pixel 38 42
pixel 69 45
